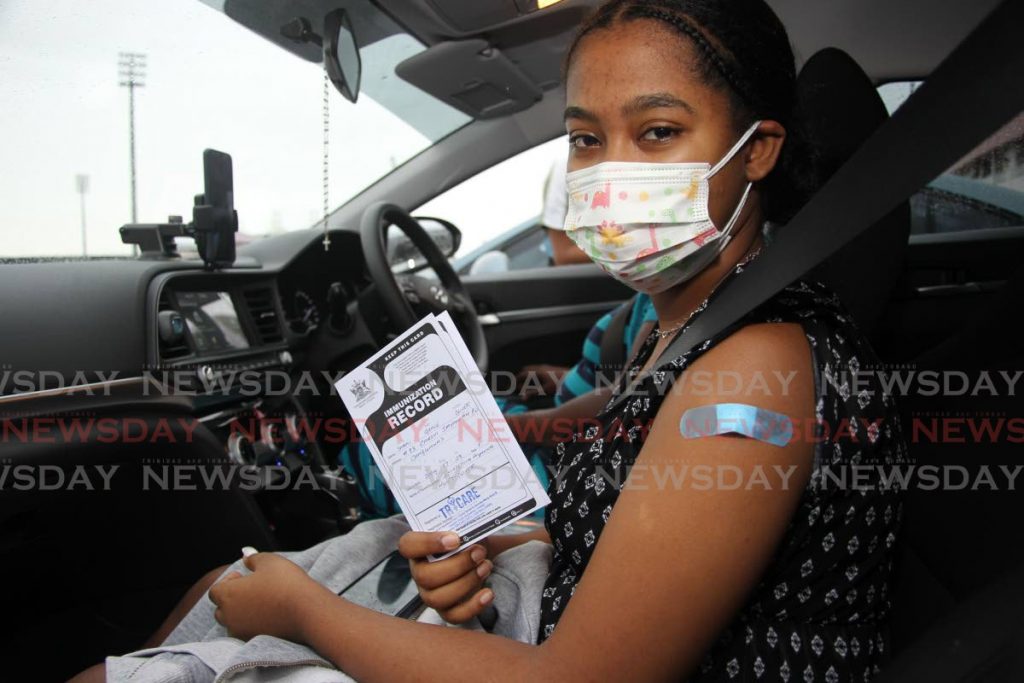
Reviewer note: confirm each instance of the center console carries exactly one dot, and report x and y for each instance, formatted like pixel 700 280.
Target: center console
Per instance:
pixel 221 339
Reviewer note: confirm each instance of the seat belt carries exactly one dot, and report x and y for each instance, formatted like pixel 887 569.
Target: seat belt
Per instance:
pixel 613 348
pixel 973 92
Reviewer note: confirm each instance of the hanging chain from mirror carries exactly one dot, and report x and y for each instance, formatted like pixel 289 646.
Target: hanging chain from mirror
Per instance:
pixel 327 160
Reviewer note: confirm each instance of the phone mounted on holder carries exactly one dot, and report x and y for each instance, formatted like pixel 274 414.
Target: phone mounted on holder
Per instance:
pixel 214 220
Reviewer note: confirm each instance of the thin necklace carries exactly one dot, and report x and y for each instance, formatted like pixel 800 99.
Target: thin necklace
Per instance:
pixel 662 334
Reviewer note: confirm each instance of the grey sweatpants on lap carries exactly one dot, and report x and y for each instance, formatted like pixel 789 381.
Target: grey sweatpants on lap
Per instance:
pixel 199 650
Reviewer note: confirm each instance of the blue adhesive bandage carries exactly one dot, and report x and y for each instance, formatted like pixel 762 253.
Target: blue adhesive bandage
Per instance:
pixel 737 418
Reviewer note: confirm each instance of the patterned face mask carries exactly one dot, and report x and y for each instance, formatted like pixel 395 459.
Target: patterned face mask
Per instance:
pixel 648 225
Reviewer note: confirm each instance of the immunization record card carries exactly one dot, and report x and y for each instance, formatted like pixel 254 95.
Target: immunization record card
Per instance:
pixel 437 435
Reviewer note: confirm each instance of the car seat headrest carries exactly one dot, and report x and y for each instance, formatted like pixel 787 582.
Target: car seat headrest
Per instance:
pixel 839 106
pixel 840 109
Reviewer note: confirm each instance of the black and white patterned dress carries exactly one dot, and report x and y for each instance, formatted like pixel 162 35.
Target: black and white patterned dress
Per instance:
pixel 819 612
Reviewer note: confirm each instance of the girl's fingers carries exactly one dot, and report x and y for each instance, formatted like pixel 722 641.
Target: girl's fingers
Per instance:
pixel 454 592
pixel 468 609
pixel 419 544
pixel 431 575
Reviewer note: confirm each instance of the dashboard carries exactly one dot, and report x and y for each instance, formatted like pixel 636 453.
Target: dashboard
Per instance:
pixel 167 335
pixel 223 377
pixel 253 316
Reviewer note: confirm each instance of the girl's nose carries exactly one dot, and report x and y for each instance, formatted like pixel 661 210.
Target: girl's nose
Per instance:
pixel 620 148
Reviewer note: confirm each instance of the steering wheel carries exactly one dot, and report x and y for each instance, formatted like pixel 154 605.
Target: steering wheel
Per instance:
pixel 407 298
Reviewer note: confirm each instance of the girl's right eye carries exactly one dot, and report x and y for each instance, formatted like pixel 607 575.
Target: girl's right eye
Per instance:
pixel 583 140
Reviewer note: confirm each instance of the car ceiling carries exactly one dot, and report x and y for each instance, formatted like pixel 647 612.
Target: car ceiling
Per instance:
pixel 891 39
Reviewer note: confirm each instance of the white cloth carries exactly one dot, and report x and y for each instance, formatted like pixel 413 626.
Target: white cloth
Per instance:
pixel 199 650
pixel 556 196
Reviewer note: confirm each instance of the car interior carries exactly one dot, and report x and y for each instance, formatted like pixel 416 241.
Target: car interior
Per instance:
pixel 944 300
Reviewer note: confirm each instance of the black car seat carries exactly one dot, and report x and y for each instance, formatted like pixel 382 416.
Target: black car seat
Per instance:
pixel 840 109
pixel 954 543
pixel 957 609
pixel 960 545
pixel 981 639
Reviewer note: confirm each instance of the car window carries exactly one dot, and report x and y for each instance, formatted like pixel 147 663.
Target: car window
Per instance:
pixel 193 78
pixel 499 208
pixel 531 250
pixel 984 189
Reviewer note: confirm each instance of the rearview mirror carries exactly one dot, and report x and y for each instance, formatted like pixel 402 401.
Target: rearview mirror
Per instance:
pixel 403 255
pixel 341 54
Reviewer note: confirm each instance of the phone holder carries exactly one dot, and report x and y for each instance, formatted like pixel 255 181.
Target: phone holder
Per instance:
pixel 213 228
pixel 214 220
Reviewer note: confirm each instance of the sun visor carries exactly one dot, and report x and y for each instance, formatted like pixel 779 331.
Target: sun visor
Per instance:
pixel 472 76
pixel 476 15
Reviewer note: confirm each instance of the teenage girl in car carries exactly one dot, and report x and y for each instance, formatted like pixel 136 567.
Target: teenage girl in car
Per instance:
pixel 783 580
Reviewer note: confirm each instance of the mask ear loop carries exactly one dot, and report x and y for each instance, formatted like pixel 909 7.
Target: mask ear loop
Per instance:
pixel 727 230
pixel 735 148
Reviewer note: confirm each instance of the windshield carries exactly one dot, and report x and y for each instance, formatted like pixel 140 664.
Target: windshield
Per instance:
pixel 200 80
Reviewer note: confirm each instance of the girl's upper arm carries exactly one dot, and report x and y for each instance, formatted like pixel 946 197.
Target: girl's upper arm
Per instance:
pixel 677 558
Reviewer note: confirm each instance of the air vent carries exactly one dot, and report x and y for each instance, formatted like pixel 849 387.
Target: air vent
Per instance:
pixel 173 349
pixel 263 311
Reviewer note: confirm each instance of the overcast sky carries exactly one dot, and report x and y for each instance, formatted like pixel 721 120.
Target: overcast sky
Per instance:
pixel 209 83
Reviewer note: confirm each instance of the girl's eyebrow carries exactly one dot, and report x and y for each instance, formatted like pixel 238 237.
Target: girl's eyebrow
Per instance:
pixel 642 103
pixel 574 112
pixel 638 104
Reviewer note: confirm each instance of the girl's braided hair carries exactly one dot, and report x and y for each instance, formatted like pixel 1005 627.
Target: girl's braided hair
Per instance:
pixel 742 48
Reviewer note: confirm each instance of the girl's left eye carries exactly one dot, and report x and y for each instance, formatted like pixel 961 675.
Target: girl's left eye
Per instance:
pixel 660 133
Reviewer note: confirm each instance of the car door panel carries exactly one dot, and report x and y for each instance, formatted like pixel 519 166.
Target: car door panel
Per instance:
pixel 542 315
pixel 948 278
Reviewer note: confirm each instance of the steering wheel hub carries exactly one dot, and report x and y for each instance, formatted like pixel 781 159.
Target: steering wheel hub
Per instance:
pixel 407 298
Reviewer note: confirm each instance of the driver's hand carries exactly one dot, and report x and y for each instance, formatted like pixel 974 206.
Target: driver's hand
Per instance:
pixel 452 586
